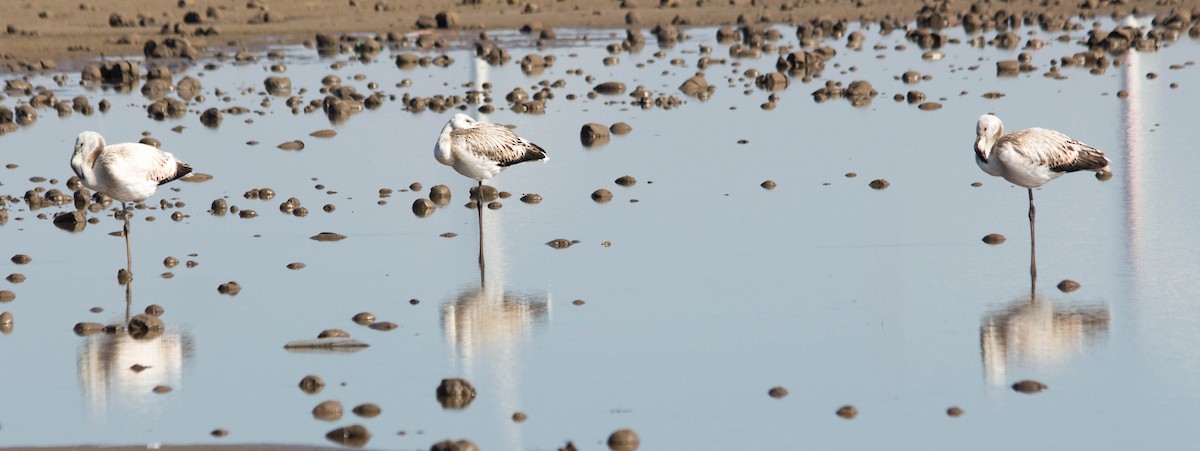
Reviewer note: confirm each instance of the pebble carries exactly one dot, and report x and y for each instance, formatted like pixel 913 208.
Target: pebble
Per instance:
pixel 85 329
pixel 323 134
pixel 769 184
pixel 878 184
pixel 328 236
pixel 848 412
pixel 954 412
pixel 602 195
pixel 333 333
pixel 626 180
pixel 1068 285
pixel 170 262
pixel 620 128
pixel 355 436
pixel 625 439
pixel 559 243
pixel 363 318
pixel 328 411
pixel 777 392
pixel 1029 386
pixel 7 296
pixel 519 417
pixel 231 288
pixel 455 393
pixel 15 278
pixel 383 326
pixel 21 259
pixel 295 265
pixel 312 384
pixel 218 433
pixel 594 134
pixel 160 389
pixel 993 238
pixel 292 145
pixel 532 198
pixel 367 410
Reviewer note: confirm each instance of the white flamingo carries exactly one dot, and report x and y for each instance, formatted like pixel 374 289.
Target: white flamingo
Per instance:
pixel 1030 158
pixel 128 172
pixel 480 150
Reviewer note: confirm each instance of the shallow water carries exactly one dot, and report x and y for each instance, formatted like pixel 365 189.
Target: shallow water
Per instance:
pixel 712 290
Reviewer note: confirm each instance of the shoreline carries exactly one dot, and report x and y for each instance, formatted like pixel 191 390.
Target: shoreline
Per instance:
pixel 45 35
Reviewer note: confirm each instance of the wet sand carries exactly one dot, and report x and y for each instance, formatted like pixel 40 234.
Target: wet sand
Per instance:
pixel 48 33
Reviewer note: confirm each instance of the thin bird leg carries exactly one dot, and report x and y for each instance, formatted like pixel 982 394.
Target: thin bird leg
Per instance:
pixel 128 252
pixel 479 211
pixel 1032 251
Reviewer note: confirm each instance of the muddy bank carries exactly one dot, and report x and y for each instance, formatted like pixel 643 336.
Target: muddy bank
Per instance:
pixel 48 33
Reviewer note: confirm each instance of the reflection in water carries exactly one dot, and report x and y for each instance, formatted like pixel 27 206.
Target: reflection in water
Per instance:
pixel 122 368
pixel 1038 332
pixel 485 324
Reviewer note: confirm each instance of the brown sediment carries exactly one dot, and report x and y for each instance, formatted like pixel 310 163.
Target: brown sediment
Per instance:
pixel 53 33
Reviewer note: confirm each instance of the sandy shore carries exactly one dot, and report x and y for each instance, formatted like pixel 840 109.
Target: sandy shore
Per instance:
pixel 46 33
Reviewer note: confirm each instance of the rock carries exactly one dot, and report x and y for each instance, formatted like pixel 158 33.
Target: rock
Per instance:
pixel 328 411
pixel 602 195
pixel 610 88
pixel 211 118
pixel 594 134
pixel 620 128
pixel 623 439
pixel 278 86
pixel 993 238
pixel 777 392
pixel 847 411
pixel 355 436
pixel 695 86
pixel 1068 285
pixel 423 207
pixel 1029 386
pixel 455 393
pixel 312 384
pixel 879 184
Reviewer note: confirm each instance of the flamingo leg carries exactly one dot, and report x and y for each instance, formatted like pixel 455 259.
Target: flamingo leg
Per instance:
pixel 1032 247
pixel 128 251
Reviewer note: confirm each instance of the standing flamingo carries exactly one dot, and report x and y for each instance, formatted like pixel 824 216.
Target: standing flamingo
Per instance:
pixel 128 172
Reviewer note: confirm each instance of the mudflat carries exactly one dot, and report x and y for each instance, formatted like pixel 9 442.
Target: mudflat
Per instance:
pixel 42 34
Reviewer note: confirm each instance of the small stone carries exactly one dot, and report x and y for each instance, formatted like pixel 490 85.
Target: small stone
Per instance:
pixel 593 135
pixel 624 439
pixel 292 145
pixel 328 411
pixel 247 214
pixel 21 259
pixel 1029 386
pixel 954 412
pixel 559 243
pixel 423 207
pixel 85 329
pixel 626 180
pixel 847 411
pixel 218 433
pixel 602 195
pixel 155 310
pixel 519 417
pixel 993 238
pixel 455 393
pixel 160 389
pixel 1068 285
pixel 312 384
pixel 328 236
pixel 777 392
pixel 532 198
pixel 383 326
pixel 231 288
pixel 367 410
pixel 878 184
pixel 170 262
pixel 15 278
pixel 355 436
pixel 769 184
pixel 7 296
pixel 333 333
pixel 578 302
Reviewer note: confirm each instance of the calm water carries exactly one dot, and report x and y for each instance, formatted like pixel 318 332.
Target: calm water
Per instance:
pixel 712 290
